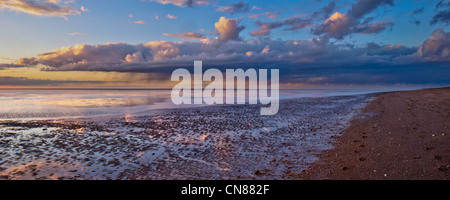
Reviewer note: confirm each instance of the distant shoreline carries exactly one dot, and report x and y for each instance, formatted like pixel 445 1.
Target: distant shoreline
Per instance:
pixel 398 136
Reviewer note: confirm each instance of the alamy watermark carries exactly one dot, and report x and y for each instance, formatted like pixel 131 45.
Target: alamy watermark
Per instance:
pixel 214 92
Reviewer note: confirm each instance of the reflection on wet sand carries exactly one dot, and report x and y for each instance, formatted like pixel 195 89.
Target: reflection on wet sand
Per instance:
pixel 104 102
pixel 32 104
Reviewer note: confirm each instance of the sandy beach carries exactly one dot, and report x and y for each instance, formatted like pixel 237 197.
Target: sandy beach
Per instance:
pixel 399 135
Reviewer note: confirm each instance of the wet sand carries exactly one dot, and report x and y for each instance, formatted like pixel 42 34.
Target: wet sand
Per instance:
pixel 399 135
pixel 216 142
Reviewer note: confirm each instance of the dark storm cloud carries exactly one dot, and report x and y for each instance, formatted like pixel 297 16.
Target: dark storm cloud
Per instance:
pixel 159 55
pixel 265 28
pixel 441 17
pixel 319 60
pixel 183 3
pixel 325 12
pixel 290 24
pixel 437 46
pixel 419 73
pixel 235 8
pixel 340 25
pixel 442 4
pixel 414 13
pixel 23 81
pixel 6 65
pixel 418 11
pixel 364 7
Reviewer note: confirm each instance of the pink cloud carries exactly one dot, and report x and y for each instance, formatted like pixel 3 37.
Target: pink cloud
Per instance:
pixel 42 8
pixel 186 35
pixel 228 29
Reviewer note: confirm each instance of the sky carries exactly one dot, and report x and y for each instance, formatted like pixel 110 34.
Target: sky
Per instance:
pixel 138 43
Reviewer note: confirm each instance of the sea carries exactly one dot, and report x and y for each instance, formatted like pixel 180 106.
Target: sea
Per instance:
pixel 54 103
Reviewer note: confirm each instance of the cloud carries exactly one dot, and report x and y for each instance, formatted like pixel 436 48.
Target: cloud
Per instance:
pixel 56 8
pixel 443 4
pixel 318 62
pixel 140 22
pixel 265 50
pixel 171 16
pixel 418 11
pixel 9 65
pixel 292 24
pixel 235 8
pixel 183 3
pixel 265 28
pixel 126 57
pixel 295 23
pixel 84 9
pixel 374 49
pixel 375 75
pixel 23 81
pixel 272 15
pixel 28 61
pixel 415 12
pixel 186 35
pixel 228 29
pixel 76 33
pixel 363 7
pixel 325 12
pixel 441 17
pixel 314 60
pixel 162 50
pixel 163 55
pixel 374 28
pixel 436 47
pixel 5 58
pixel 83 54
pixel 340 25
pixel 157 56
pixel 337 25
pixel 269 15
